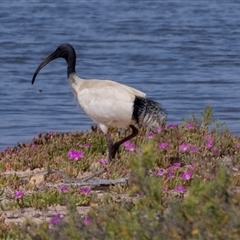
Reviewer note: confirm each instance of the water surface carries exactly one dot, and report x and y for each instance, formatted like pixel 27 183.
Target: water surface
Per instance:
pixel 184 55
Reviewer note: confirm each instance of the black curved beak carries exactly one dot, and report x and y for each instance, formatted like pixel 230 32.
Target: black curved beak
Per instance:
pixel 50 58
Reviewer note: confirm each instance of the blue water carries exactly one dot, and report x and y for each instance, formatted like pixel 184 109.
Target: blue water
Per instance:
pixel 185 55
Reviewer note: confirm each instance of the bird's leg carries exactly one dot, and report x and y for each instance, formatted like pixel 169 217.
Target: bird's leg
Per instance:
pixel 110 146
pixel 116 145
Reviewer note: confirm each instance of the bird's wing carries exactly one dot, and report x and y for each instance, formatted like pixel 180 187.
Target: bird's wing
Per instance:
pixel 95 83
pixel 108 103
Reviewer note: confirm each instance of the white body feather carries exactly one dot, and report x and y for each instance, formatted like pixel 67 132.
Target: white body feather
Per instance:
pixel 106 102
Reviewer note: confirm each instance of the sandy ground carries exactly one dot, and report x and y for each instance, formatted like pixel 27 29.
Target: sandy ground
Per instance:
pixel 20 215
pixel 41 180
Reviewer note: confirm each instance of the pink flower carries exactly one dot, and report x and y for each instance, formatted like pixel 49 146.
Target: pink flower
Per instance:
pixel 86 145
pixel 209 144
pixel 54 220
pixel 85 190
pixel 192 148
pixel 215 151
pixel 191 166
pixel 127 143
pixel 176 164
pixel 163 145
pixel 161 172
pixel 170 175
pixel 158 129
pixel 170 167
pixel 63 188
pixel 86 220
pixel 75 155
pixel 180 189
pixel 102 161
pixel 18 194
pixel 183 147
pixel 6 149
pixel 189 126
pixel 129 146
pixel 186 175
pixel 149 135
pixel 188 147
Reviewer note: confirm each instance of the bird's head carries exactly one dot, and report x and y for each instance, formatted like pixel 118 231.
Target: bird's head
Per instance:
pixel 65 51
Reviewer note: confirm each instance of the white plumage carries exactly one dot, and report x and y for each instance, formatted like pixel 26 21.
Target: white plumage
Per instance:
pixel 105 102
pixel 108 103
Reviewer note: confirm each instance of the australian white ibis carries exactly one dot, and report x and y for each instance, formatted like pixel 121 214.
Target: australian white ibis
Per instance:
pixel 108 103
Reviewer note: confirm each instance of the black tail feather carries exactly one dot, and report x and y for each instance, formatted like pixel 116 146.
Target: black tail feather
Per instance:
pixel 148 112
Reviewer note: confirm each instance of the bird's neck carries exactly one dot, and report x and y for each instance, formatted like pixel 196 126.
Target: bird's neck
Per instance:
pixel 75 82
pixel 71 64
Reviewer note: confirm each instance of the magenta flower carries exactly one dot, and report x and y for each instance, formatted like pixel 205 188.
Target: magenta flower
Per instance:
pixel 161 172
pixel 188 147
pixel 192 148
pixel 183 147
pixel 172 125
pixel 191 166
pixel 186 175
pixel 86 220
pixel 189 126
pixel 63 188
pixel 85 190
pixel 215 151
pixel 170 175
pixel 180 189
pixel 127 143
pixel 18 194
pixel 54 220
pixel 170 167
pixel 149 135
pixel 163 145
pixel 75 155
pixel 209 144
pixel 6 149
pixel 102 161
pixel 87 145
pixel 129 146
pixel 176 164
pixel 158 129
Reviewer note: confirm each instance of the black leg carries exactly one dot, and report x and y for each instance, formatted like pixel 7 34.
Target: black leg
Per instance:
pixel 110 146
pixel 116 145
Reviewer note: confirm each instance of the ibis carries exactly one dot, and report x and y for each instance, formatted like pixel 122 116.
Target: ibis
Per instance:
pixel 108 103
